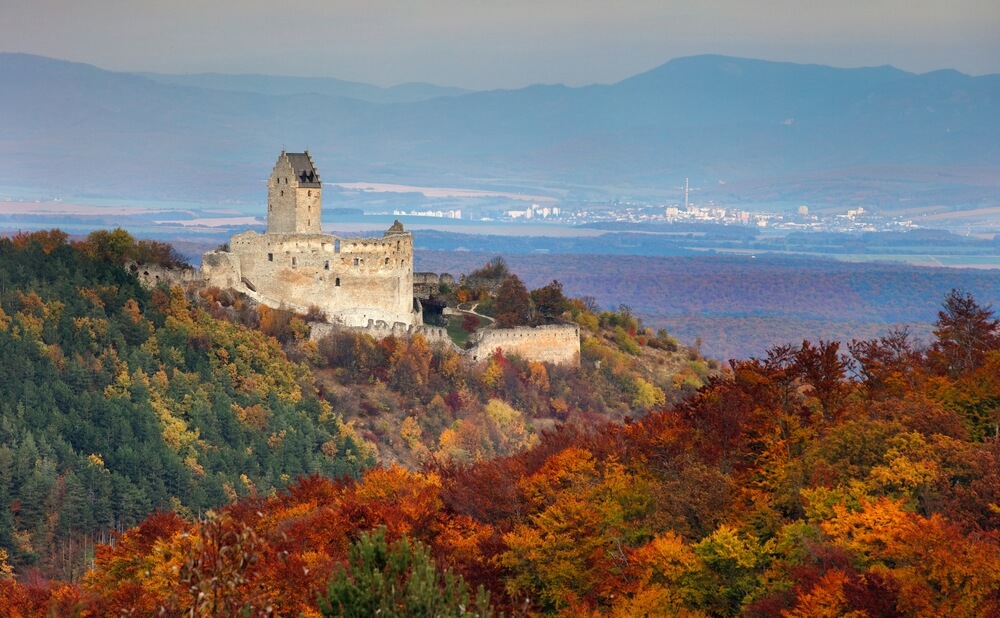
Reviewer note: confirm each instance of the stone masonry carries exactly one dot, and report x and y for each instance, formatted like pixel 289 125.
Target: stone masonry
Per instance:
pixel 558 344
pixel 359 283
pixel 295 265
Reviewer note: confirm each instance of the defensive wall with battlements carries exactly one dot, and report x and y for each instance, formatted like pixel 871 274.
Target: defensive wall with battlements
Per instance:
pixel 558 344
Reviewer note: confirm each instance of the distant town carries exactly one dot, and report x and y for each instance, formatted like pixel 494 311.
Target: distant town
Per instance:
pixel 850 220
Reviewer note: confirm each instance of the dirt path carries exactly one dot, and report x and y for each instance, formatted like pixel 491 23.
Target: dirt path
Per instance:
pixel 472 310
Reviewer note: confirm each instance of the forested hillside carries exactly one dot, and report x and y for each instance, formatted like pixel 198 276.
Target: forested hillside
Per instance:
pixel 822 479
pixel 116 401
pixel 800 484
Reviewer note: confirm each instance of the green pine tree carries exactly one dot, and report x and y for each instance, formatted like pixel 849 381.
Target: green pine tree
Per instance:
pixel 398 580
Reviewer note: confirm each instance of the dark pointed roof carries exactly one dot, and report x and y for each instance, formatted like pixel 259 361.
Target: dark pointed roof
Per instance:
pixel 396 228
pixel 304 168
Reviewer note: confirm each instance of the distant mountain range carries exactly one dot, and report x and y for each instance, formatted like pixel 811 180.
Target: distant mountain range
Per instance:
pixel 742 130
pixel 276 85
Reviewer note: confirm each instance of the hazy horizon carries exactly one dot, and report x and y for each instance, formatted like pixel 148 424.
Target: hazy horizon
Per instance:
pixel 480 45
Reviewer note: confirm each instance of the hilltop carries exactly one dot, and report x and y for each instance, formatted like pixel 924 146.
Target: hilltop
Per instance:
pixel 119 401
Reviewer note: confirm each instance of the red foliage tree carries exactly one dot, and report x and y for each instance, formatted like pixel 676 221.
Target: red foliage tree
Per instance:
pixel 964 332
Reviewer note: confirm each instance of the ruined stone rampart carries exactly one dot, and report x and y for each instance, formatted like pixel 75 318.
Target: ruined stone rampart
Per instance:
pixel 151 275
pixel 426 285
pixel 353 280
pixel 558 344
pixel 435 335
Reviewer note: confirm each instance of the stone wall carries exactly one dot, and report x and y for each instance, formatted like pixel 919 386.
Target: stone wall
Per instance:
pixel 558 344
pixel 353 280
pixel 426 285
pixel 435 335
pixel 221 269
pixel 151 275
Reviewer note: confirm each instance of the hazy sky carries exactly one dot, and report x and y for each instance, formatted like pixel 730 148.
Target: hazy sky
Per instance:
pixel 498 43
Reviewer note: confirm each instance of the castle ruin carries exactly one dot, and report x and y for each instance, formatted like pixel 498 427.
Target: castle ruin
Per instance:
pixel 354 281
pixel 358 283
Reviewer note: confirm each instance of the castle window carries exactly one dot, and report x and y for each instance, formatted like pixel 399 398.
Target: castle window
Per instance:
pixel 310 195
pixel 337 282
pixel 326 265
pixel 387 261
pixel 282 193
pixel 293 261
pixel 270 257
pixel 355 261
pixel 397 245
pixel 336 246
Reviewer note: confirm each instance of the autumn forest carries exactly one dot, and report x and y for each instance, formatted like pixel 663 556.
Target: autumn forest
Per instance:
pixel 185 452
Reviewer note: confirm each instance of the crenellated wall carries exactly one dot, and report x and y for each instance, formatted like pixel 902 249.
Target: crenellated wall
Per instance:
pixel 558 344
pixel 353 280
pixel 435 335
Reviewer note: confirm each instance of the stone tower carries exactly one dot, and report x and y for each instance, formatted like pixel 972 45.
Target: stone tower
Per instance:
pixel 355 281
pixel 294 192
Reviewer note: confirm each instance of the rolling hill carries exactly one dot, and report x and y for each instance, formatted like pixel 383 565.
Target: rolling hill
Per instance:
pixel 744 130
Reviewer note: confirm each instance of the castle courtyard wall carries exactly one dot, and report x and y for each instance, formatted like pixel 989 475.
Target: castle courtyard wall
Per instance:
pixel 558 344
pixel 435 335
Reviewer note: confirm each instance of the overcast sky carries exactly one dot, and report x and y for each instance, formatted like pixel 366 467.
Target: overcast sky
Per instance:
pixel 498 43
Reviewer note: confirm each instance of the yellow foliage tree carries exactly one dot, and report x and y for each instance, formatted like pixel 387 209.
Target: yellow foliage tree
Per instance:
pixel 575 544
pixel 6 571
pixel 941 571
